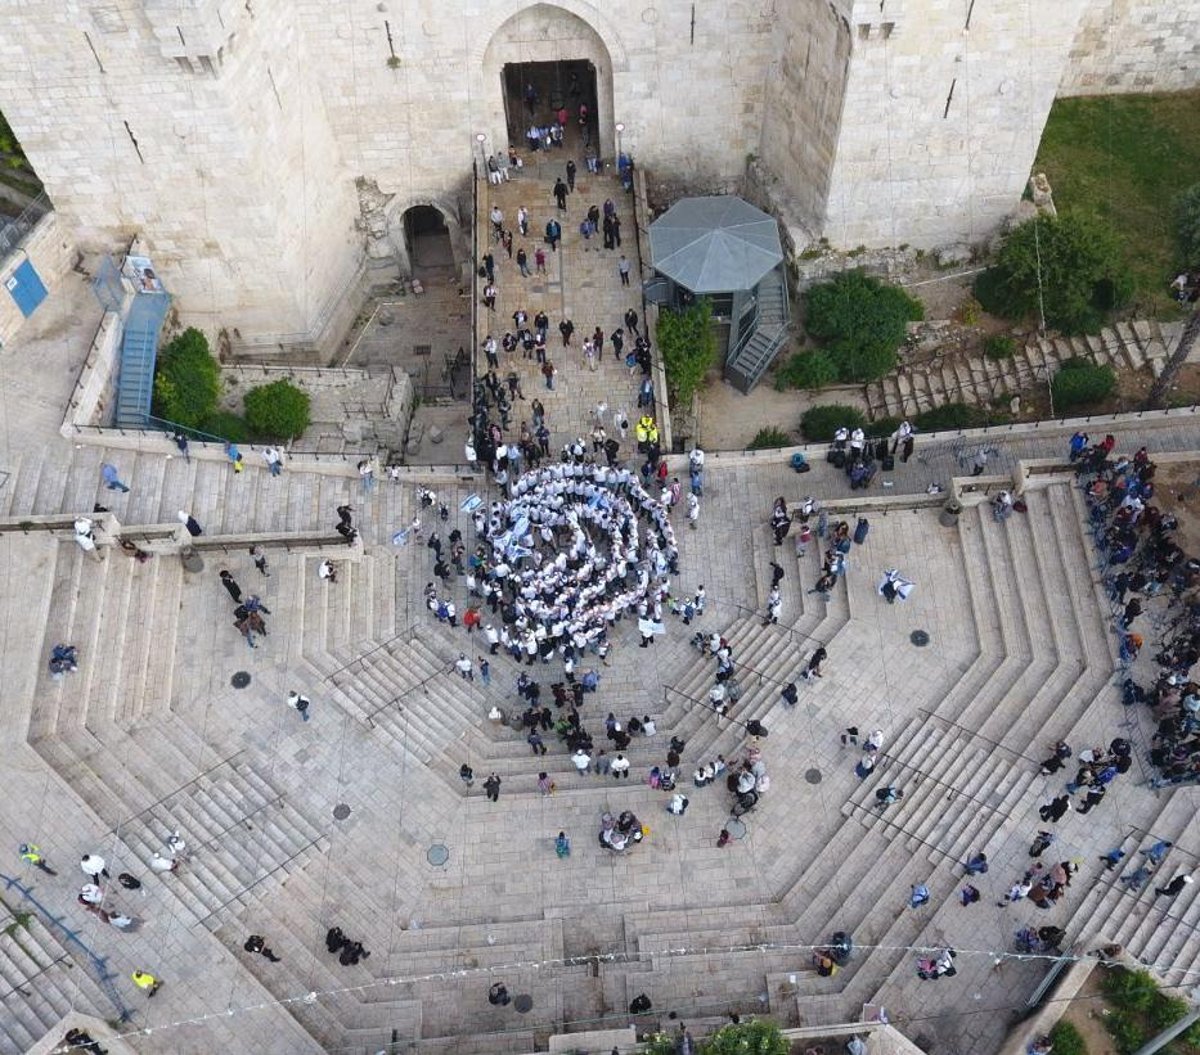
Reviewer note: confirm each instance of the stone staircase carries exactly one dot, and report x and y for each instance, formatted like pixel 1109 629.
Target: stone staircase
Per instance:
pixel 918 387
pixel 245 830
pixel 40 981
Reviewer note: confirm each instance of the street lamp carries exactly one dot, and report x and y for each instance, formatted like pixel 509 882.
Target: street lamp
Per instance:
pixel 620 130
pixel 481 138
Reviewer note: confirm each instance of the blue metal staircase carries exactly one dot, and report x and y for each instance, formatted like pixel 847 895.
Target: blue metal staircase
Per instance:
pixel 139 350
pixel 746 364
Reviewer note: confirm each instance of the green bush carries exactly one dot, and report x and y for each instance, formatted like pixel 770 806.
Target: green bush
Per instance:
pixel 1070 266
pixel 806 370
pixel 769 438
pixel 227 425
pixel 950 416
pixel 187 380
pixel 688 346
pixel 862 321
pixel 881 427
pixel 1187 226
pixel 1067 1040
pixel 1079 382
pixel 278 411
pixel 1166 1011
pixel 999 346
pixel 1127 1033
pixel 759 1037
pixel 1131 991
pixel 820 423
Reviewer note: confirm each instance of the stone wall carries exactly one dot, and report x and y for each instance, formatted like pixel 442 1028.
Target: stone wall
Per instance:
pixel 51 252
pixel 231 134
pixel 95 391
pixel 942 120
pixel 1135 46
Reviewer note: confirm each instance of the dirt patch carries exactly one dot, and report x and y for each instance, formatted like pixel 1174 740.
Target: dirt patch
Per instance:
pixel 1086 1013
pixel 1177 490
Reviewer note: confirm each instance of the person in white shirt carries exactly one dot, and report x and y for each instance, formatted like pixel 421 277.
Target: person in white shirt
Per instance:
pixel 581 760
pixel 648 726
pixel 620 767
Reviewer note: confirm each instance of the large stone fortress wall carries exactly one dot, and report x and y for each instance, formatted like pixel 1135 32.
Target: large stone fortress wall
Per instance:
pixel 243 139
pixel 1135 46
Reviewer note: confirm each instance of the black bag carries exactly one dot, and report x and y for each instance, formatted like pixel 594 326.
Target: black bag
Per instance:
pixel 860 530
pixel 838 459
pixel 881 450
pixel 889 463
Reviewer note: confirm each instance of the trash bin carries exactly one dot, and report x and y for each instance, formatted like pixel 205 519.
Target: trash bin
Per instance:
pixel 192 561
pixel 948 517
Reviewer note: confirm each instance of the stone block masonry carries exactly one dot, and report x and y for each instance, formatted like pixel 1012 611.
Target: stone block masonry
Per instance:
pixel 229 136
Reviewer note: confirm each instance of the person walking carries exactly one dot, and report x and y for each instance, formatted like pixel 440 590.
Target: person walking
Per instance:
pixel 95 866
pixel 813 670
pixel 299 703
pixel 273 459
pixel 260 561
pixel 562 845
pixel 979 462
pixel 560 194
pixel 623 269
pixel 693 510
pixel 571 175
pixel 230 584
pixel 146 982
pixel 326 571
pixel 491 787
pixel 112 481
pixel 31 853
pixel 1174 887
pixel 181 442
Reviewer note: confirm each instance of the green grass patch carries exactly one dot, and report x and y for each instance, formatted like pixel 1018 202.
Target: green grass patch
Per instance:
pixel 769 438
pixel 1125 158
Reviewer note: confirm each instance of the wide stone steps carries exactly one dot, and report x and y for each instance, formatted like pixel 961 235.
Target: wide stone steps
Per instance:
pixel 122 617
pixel 39 981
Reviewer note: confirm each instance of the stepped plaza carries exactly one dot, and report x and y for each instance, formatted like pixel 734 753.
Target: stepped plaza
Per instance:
pixel 358 817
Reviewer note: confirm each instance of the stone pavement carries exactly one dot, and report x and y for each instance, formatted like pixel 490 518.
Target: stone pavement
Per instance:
pixel 151 735
pixel 581 284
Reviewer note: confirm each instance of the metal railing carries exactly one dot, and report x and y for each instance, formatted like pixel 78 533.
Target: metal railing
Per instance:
pixel 14 231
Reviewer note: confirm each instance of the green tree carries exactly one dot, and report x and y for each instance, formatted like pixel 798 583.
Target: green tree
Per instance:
pixel 862 321
pixel 759 1037
pixel 1067 1040
pixel 688 346
pixel 1069 267
pixel 1079 382
pixel 1187 226
pixel 813 369
pixel 279 410
pixel 187 380
pixel 821 422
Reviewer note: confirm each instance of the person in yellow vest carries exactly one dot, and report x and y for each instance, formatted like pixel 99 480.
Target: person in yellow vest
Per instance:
pixel 642 433
pixel 146 982
pixel 32 854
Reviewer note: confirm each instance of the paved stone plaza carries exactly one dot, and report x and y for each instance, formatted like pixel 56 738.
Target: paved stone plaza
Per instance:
pixel 150 736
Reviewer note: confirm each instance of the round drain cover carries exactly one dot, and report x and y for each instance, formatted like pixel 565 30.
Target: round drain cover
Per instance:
pixel 813 776
pixel 240 680
pixel 919 638
pixel 523 1002
pixel 341 811
pixel 438 855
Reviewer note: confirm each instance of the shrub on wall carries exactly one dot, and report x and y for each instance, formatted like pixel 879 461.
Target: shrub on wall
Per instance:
pixel 688 346
pixel 806 370
pixel 1068 266
pixel 820 423
pixel 769 438
pixel 1065 1039
pixel 862 322
pixel 187 380
pixel 279 410
pixel 1079 382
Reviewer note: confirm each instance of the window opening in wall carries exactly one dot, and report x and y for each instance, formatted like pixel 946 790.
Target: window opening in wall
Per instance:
pixel 864 31
pixel 206 64
pixel 887 28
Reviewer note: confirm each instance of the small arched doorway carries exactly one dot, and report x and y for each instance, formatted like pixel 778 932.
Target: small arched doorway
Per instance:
pixel 427 239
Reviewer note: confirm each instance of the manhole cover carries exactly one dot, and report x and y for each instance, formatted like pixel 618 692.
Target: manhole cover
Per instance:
pixel 438 855
pixel 240 680
pixel 736 828
pixel 919 638
pixel 813 776
pixel 341 811
pixel 523 1003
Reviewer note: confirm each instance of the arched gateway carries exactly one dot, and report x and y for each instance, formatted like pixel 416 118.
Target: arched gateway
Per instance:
pixel 557 51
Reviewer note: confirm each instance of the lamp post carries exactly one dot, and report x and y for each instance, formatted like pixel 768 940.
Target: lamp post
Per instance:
pixel 620 132
pixel 481 139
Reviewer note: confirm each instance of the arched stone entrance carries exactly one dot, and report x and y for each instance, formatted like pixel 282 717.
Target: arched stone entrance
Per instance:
pixel 426 236
pixel 548 44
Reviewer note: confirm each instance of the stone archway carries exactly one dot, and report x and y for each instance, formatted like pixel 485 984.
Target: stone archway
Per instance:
pixel 416 218
pixel 547 33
